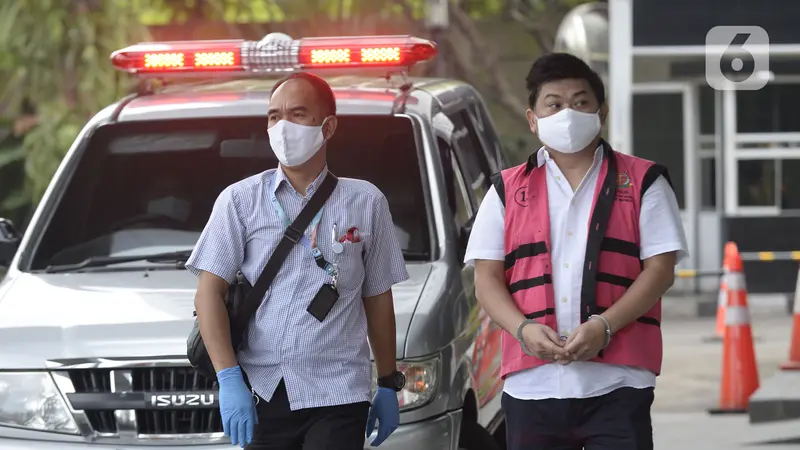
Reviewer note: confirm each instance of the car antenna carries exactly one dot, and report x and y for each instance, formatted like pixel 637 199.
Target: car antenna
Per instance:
pixel 149 86
pixel 399 104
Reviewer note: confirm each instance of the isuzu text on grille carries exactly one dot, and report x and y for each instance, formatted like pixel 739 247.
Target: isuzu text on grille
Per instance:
pixel 172 400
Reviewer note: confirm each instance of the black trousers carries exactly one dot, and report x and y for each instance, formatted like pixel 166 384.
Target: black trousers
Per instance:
pixel 619 420
pixel 340 427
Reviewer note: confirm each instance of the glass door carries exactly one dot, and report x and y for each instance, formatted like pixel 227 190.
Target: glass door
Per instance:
pixel 666 129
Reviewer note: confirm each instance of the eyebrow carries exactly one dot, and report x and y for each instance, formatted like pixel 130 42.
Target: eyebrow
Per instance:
pixel 584 92
pixel 292 109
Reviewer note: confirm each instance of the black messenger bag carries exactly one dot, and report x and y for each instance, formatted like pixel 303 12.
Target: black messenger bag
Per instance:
pixel 243 300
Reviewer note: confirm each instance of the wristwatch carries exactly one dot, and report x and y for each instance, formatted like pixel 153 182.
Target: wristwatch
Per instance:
pixel 395 381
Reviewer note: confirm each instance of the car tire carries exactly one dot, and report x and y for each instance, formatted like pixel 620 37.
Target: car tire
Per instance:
pixel 475 437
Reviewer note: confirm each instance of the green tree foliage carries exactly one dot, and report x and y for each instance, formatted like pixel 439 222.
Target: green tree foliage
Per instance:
pixel 15 203
pixel 55 71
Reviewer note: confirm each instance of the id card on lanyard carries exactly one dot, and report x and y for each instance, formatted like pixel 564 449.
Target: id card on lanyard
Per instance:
pixel 311 245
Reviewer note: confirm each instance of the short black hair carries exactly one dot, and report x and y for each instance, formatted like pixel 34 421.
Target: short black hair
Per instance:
pixel 561 66
pixel 320 86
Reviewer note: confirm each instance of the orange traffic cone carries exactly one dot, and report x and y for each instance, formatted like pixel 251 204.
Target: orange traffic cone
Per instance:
pixel 794 344
pixel 722 302
pixel 739 370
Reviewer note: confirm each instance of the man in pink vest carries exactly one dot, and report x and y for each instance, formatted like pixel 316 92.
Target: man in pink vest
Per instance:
pixel 572 252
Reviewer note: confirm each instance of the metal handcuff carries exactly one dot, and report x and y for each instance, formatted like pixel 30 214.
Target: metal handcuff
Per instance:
pixel 528 352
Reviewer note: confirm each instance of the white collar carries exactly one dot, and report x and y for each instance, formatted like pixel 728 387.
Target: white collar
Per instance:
pixel 542 156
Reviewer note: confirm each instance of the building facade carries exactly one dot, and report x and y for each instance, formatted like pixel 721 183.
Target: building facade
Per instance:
pixel 734 155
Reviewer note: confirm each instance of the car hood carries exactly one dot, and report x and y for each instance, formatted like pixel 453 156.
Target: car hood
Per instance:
pixel 121 314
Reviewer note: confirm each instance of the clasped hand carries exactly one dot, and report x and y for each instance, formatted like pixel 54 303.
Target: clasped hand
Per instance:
pixel 583 344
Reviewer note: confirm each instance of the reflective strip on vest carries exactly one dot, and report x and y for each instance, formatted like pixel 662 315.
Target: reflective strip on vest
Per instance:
pixel 525 251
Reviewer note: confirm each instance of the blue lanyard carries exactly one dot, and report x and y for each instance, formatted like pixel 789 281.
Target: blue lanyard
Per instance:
pixel 285 219
pixel 315 251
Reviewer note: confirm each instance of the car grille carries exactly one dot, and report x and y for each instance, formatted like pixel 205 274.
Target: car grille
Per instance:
pixel 95 382
pixel 200 420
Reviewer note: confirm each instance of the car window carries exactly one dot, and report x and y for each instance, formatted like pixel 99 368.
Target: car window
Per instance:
pixel 470 155
pixel 149 187
pixel 463 211
pixel 457 193
pixel 491 141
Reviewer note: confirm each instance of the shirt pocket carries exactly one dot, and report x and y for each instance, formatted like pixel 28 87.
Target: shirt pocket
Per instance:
pixel 350 266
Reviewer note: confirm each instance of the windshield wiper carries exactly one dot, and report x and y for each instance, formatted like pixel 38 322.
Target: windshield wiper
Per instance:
pixel 101 261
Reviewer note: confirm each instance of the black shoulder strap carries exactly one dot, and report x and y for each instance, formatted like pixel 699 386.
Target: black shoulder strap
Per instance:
pixel 652 174
pixel 499 186
pixel 291 236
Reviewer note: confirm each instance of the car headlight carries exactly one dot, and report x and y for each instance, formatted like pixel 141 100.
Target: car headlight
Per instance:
pixel 421 381
pixel 31 400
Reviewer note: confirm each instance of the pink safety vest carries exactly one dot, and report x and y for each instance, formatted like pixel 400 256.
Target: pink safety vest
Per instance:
pixel 612 256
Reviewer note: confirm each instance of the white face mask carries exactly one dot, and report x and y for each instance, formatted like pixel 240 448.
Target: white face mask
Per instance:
pixel 173 207
pixel 568 131
pixel 295 144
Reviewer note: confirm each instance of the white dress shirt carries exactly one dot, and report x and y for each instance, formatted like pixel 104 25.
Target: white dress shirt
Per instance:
pixel 661 231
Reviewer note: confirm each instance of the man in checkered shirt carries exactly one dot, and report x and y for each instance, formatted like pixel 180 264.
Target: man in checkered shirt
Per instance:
pixel 310 378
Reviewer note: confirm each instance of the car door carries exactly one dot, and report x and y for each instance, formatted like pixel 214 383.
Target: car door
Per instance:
pixel 476 170
pixel 462 209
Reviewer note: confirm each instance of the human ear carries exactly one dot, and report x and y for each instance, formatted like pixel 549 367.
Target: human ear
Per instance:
pixel 603 114
pixel 532 120
pixel 329 127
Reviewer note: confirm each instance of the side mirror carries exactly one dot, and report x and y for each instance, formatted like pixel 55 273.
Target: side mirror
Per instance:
pixel 9 242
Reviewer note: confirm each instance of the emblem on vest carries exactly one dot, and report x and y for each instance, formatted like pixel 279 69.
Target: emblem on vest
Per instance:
pixel 521 196
pixel 623 182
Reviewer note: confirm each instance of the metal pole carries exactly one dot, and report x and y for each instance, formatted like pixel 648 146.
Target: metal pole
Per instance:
pixel 437 20
pixel 439 69
pixel 620 17
pixel 691 173
pixel 731 191
pixel 719 181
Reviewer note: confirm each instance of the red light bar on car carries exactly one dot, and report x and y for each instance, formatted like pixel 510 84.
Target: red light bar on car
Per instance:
pixel 275 53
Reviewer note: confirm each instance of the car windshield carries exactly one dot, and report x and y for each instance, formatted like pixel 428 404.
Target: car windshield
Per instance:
pixel 147 188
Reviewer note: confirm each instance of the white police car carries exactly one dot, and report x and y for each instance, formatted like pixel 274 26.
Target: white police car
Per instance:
pixel 93 329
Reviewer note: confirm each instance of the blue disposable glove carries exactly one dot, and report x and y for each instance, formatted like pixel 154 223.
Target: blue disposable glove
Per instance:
pixel 387 412
pixel 236 406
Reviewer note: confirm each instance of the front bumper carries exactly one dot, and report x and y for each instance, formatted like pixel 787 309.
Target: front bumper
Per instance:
pixel 440 433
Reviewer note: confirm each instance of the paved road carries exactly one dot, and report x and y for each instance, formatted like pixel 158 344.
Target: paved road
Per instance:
pixel 689 385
